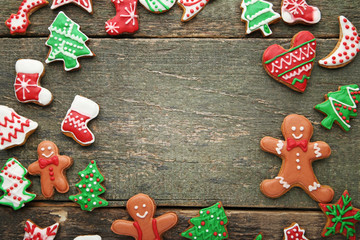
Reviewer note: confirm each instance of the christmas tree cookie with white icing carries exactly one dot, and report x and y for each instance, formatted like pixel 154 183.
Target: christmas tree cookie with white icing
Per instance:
pixel 14 184
pixel 258 15
pixel 90 188
pixel 158 6
pixel 67 43
pixel 14 129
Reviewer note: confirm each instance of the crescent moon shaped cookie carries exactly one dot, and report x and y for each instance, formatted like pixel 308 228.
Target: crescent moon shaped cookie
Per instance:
pixel 158 6
pixel 347 47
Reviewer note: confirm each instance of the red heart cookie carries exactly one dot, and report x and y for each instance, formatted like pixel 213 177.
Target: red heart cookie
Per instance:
pixel 292 67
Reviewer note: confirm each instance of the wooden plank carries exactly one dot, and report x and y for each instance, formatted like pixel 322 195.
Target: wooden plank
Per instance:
pixel 183 124
pixel 242 224
pixel 220 19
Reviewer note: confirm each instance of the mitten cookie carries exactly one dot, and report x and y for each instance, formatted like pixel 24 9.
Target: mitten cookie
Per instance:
pixel 258 15
pixel 297 154
pixel 74 125
pixel 14 129
pixel 210 224
pixel 27 83
pixel 347 47
pixel 144 227
pixel 292 67
pixel 126 19
pixel 33 232
pixel 340 106
pixel 51 167
pixel 18 23
pixel 14 184
pixel 90 188
pixel 298 11
pixel 341 217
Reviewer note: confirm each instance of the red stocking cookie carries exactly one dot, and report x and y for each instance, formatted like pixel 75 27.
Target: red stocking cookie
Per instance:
pixel 144 227
pixel 126 19
pixel 292 67
pixel 297 154
pixel 74 125
pixel 14 129
pixel 27 83
pixel 51 167
pixel 298 11
pixel 18 23
pixel 33 232
pixel 84 4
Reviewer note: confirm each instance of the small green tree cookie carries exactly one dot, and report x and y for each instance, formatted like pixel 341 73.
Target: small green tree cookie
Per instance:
pixel 90 188
pixel 209 225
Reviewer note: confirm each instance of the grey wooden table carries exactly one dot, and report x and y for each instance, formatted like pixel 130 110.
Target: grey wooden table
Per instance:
pixel 183 108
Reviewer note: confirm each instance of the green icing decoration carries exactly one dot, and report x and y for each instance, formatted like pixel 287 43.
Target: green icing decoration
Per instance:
pixel 259 237
pixel 210 225
pixel 340 106
pixel 300 81
pixel 158 6
pixel 67 42
pixel 343 217
pixel 14 184
pixel 258 14
pixel 90 188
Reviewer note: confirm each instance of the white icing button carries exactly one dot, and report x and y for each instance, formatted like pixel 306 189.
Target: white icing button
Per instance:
pixel 297 154
pixel 298 167
pixel 297 160
pixel 144 205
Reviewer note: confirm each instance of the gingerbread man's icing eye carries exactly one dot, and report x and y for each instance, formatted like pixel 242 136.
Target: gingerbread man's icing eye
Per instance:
pixel 49 148
pixel 42 149
pixel 144 205
pixel 136 207
pixel 293 128
pixel 301 128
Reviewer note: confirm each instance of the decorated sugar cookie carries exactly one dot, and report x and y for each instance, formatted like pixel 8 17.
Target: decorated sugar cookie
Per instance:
pixel 210 224
pixel 340 106
pixel 292 67
pixel 259 237
pixel 74 125
pixel 158 6
pixel 258 15
pixel 294 232
pixel 347 47
pixel 33 232
pixel 191 8
pixel 18 23
pixel 297 154
pixel 27 83
pixel 14 129
pixel 89 237
pixel 144 227
pixel 126 19
pixel 90 188
pixel 14 184
pixel 84 4
pixel 341 217
pixel 67 43
pixel 51 167
pixel 298 11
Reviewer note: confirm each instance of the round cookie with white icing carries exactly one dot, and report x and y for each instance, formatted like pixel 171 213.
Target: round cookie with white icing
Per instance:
pixel 347 47
pixel 297 154
pixel 158 6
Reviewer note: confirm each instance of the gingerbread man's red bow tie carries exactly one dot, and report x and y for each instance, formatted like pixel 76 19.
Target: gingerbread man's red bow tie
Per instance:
pixel 291 143
pixel 43 162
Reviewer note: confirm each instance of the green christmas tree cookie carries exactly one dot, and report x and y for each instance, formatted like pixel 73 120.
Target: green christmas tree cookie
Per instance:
pixel 66 42
pixel 340 106
pixel 258 14
pixel 209 225
pixel 14 184
pixel 90 188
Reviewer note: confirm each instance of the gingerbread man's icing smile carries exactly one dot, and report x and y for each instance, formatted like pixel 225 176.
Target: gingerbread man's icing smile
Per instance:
pixel 297 153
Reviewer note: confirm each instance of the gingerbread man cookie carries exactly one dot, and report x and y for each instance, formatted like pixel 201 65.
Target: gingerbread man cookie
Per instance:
pixel 51 167
pixel 297 154
pixel 142 208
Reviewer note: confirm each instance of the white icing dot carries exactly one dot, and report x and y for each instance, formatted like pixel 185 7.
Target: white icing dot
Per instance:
pixel 89 185
pixel 87 190
pixel 293 128
pixel 298 167
pixel 56 46
pixel 80 197
pixel 93 195
pixel 199 227
pixel 42 149
pixel 93 171
pixel 301 128
pixel 82 175
pixel 94 183
pixel 90 166
pixel 136 207
pixel 91 179
pixel 207 230
pixel 49 148
pixel 201 212
pixel 144 205
pixel 212 216
pixel 297 160
pixel 94 203
pixel 297 154
pixel 79 186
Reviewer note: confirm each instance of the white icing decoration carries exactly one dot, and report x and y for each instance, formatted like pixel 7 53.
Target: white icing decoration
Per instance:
pixel 47 156
pixel 40 231
pixel 314 186
pixel 302 128
pixel 297 71
pixel 142 216
pixel 9 128
pixel 297 137
pixel 131 14
pixel 192 9
pixel 291 7
pixel 293 128
pixel 89 237
pixel 317 150
pixel 279 145
pixel 341 48
pixel 158 6
pixel 282 182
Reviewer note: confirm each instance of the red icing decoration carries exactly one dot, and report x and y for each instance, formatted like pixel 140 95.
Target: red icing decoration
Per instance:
pixel 126 19
pixel 291 143
pixel 43 162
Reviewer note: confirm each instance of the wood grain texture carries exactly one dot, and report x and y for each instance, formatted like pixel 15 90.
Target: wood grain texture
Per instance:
pixel 219 19
pixel 181 119
pixel 242 224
